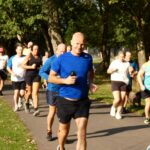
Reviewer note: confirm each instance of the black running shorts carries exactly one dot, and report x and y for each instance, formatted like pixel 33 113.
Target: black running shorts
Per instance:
pixel 118 86
pixel 66 109
pixel 20 85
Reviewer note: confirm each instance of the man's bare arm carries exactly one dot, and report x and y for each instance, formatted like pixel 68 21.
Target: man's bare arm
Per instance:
pixel 54 78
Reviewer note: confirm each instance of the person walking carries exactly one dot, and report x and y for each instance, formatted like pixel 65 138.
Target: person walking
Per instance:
pixel 3 63
pixel 52 89
pixel 17 75
pixel 71 70
pixel 119 70
pixel 32 64
pixel 144 82
pixel 128 58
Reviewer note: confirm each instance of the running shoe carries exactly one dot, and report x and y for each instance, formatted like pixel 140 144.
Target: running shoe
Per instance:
pixel 16 108
pixel 147 121
pixel 1 94
pixel 26 107
pixel 58 147
pixel 118 116
pixel 31 102
pixel 49 136
pixel 113 111
pixel 20 103
pixel 36 112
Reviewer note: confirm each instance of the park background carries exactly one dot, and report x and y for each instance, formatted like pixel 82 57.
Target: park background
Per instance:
pixel 107 24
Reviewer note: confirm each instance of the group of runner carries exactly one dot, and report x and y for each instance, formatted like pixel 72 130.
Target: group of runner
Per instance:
pixel 68 77
pixel 122 71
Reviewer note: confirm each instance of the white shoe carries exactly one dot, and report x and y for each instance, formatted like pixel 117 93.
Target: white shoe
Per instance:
pixel 58 147
pixel 36 113
pixel 16 108
pixel 31 102
pixel 113 111
pixel 20 103
pixel 118 116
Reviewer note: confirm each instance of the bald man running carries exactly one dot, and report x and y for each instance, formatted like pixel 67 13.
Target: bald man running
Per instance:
pixel 73 68
pixel 52 89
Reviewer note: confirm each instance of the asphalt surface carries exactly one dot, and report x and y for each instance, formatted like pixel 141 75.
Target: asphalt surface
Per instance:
pixel 103 133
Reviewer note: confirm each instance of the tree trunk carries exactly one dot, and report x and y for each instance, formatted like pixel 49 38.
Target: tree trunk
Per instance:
pixel 54 28
pixel 140 44
pixel 55 37
pixel 147 40
pixel 47 38
pixel 105 18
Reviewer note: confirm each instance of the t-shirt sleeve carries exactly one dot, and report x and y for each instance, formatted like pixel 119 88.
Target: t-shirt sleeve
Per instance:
pixel 9 64
pixel 112 65
pixel 56 65
pixel 45 69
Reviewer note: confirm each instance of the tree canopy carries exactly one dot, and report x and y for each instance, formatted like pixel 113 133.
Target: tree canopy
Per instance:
pixel 106 23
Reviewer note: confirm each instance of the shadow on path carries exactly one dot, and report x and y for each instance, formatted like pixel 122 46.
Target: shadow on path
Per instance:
pixel 112 131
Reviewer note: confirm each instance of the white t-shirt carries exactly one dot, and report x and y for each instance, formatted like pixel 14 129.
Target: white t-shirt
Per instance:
pixel 15 64
pixel 2 61
pixel 122 71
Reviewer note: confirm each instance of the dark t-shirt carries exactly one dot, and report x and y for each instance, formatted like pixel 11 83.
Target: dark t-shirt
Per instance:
pixel 33 60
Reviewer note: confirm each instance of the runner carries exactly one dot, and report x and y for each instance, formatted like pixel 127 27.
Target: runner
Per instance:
pixel 131 76
pixel 3 75
pixel 32 65
pixel 17 75
pixel 119 70
pixel 71 70
pixel 144 81
pixel 52 89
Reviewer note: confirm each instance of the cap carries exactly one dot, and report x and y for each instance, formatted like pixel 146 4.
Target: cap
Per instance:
pixel 1 50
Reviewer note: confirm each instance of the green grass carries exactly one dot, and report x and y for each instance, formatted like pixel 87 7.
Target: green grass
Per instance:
pixel 13 134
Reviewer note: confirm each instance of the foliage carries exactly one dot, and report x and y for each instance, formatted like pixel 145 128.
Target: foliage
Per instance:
pixel 109 23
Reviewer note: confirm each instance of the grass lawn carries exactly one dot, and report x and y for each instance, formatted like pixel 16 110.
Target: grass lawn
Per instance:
pixel 13 134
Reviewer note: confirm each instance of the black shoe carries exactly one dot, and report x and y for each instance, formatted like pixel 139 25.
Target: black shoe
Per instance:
pixel 26 107
pixel 124 111
pixel 49 136
pixel 1 94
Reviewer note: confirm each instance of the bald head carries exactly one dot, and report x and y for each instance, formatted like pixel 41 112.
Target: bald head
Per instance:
pixel 77 43
pixel 78 35
pixel 30 44
pixel 61 48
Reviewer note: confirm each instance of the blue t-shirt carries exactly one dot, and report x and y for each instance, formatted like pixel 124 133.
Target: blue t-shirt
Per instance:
pixel 44 73
pixel 134 65
pixel 67 63
pixel 146 68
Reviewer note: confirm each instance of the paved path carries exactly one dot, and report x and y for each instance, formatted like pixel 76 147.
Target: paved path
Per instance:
pixel 104 132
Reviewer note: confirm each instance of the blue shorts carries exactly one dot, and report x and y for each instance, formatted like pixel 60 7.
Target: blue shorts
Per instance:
pixel 51 97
